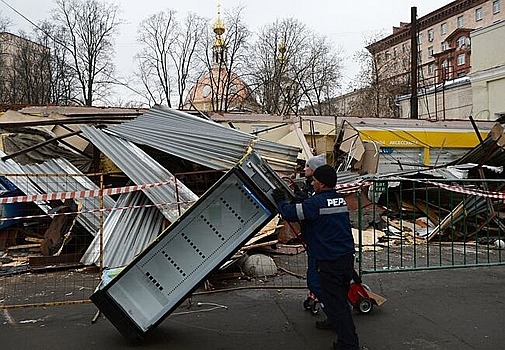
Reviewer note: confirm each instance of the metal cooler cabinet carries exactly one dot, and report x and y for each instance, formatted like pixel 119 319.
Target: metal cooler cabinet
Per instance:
pixel 201 240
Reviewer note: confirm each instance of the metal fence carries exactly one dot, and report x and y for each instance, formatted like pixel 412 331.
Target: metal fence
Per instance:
pixel 420 224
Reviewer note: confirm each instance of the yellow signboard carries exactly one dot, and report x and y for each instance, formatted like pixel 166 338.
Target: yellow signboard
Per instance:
pixel 421 138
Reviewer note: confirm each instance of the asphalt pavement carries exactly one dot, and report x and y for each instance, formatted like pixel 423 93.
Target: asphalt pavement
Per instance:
pixel 458 309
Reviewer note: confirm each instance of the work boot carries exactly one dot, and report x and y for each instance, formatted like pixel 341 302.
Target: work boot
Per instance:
pixel 323 324
pixel 335 346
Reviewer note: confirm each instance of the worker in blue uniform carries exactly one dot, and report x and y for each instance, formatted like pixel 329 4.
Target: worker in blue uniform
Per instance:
pixel 328 235
pixel 312 278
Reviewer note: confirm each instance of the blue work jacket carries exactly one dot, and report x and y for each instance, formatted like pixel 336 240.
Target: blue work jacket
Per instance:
pixel 326 225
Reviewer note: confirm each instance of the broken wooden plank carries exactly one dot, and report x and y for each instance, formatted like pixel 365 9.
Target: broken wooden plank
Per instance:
pixel 259 245
pixel 24 246
pixel 369 238
pixel 289 249
pixel 458 210
pixel 55 260
pixel 379 299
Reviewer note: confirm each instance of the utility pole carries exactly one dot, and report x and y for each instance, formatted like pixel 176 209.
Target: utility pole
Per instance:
pixel 414 113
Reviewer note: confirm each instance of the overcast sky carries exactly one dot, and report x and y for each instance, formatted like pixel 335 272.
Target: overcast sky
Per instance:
pixel 345 23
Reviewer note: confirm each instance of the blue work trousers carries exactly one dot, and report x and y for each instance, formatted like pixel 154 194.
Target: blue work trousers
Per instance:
pixel 313 278
pixel 335 277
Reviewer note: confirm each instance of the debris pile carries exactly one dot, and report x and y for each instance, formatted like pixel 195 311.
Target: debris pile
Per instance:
pixel 459 201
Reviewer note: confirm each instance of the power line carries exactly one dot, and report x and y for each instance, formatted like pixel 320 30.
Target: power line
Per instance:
pixel 20 14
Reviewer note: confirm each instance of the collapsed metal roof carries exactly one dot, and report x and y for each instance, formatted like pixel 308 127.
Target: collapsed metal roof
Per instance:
pixel 201 141
pixel 126 232
pixel 179 134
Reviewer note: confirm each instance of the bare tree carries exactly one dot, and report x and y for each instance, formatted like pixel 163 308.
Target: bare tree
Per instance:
pixel 157 34
pixel 321 80
pixel 237 46
pixel 167 58
pixel 269 64
pixel 5 23
pixel 61 82
pixel 378 81
pixel 35 68
pixel 293 68
pixel 24 71
pixel 185 51
pixel 30 73
pixel 90 27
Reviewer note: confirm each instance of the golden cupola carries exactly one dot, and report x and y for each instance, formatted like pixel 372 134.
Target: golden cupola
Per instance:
pixel 219 29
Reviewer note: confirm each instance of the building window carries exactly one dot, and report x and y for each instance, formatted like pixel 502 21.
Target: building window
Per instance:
pixel 478 14
pixel 443 28
pixel 406 64
pixel 444 46
pixel 461 59
pixel 419 38
pixel 444 69
pixel 206 90
pixel 460 21
pixel 420 57
pixel 431 35
pixel 386 55
pixel 430 51
pixel 431 69
pixel 395 52
pixel 496 6
pixel 404 48
pixel 461 41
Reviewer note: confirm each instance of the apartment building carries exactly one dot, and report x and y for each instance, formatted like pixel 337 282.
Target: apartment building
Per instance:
pixel 488 72
pixel 24 70
pixel 444 42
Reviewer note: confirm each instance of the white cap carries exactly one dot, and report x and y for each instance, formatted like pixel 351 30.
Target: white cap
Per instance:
pixel 316 161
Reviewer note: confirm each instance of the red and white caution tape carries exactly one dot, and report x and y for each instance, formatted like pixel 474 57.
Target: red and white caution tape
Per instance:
pixel 475 192
pixel 80 194
pixel 352 185
pixel 458 189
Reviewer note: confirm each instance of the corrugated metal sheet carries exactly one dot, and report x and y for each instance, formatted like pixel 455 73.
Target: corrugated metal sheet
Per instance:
pixel 51 184
pixel 346 177
pixel 201 141
pixel 9 166
pixel 171 199
pixel 126 232
pixel 441 156
pixel 401 159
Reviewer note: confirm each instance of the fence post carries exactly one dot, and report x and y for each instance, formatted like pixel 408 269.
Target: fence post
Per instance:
pixel 101 203
pixel 360 234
